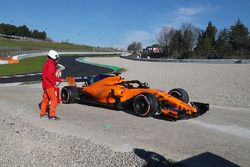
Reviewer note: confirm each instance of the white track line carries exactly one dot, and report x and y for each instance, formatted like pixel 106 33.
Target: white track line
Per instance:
pixel 229 129
pixel 18 76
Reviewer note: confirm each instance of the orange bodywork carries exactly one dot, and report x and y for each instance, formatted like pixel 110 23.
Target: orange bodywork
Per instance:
pixel 10 60
pixel 109 89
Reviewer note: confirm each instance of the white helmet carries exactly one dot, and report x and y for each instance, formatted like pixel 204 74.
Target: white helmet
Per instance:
pixel 53 54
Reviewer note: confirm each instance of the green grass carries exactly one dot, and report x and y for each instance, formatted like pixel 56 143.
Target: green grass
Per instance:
pixel 29 65
pixel 33 45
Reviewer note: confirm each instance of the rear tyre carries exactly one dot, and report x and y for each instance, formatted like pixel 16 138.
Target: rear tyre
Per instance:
pixel 145 105
pixel 180 94
pixel 47 108
pixel 69 94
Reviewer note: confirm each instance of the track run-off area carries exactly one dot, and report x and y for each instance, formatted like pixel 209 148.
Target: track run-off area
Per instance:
pixel 221 136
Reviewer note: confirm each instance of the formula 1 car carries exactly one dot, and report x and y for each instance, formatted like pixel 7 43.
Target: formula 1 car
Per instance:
pixel 114 91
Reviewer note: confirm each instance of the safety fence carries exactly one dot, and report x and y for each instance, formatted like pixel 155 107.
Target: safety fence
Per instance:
pixel 18 37
pixel 10 51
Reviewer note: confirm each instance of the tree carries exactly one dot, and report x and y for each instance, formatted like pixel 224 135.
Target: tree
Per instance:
pixel 181 44
pixel 9 29
pixel 223 47
pixel 23 31
pixel 175 45
pixel 199 48
pixel 210 33
pixel 43 35
pixel 248 48
pixel 239 38
pixel 135 47
pixel 187 40
pixel 2 28
pixel 195 31
pixel 38 35
pixel 206 42
pixel 164 38
pixel 187 43
pixel 35 34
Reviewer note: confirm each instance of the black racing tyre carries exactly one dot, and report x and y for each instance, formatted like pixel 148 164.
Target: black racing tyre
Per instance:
pixel 180 94
pixel 145 104
pixel 69 94
pixel 40 106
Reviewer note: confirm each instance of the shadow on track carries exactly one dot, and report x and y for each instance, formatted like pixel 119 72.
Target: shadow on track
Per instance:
pixel 152 159
pixel 205 159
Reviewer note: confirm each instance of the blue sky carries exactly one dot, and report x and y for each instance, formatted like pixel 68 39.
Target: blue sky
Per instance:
pixel 117 23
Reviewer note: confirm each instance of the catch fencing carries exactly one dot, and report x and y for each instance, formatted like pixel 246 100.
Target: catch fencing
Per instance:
pixel 7 52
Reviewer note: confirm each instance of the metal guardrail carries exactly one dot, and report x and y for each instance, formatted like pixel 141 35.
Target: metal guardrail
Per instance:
pixel 205 61
pixel 27 55
pixel 3 62
pixel 90 53
pixel 23 56
pixel 13 51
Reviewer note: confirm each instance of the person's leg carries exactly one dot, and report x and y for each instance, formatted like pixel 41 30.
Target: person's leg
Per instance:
pixel 53 100
pixel 45 103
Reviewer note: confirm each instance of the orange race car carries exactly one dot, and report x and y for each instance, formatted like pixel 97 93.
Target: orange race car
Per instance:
pixel 114 91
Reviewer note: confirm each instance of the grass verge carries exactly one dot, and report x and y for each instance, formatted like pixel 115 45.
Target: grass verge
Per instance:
pixel 29 65
pixel 33 45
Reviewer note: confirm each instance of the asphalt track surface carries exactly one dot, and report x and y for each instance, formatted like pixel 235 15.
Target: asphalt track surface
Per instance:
pixel 73 68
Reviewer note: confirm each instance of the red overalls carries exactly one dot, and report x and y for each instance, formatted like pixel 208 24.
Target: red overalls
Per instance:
pixel 49 80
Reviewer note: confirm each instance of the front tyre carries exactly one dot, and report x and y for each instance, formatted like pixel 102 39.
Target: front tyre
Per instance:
pixel 69 94
pixel 180 94
pixel 145 104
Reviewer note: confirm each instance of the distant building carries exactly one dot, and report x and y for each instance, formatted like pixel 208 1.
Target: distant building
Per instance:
pixel 154 51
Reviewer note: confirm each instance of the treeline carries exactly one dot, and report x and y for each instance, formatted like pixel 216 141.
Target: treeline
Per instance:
pixel 191 42
pixel 22 31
